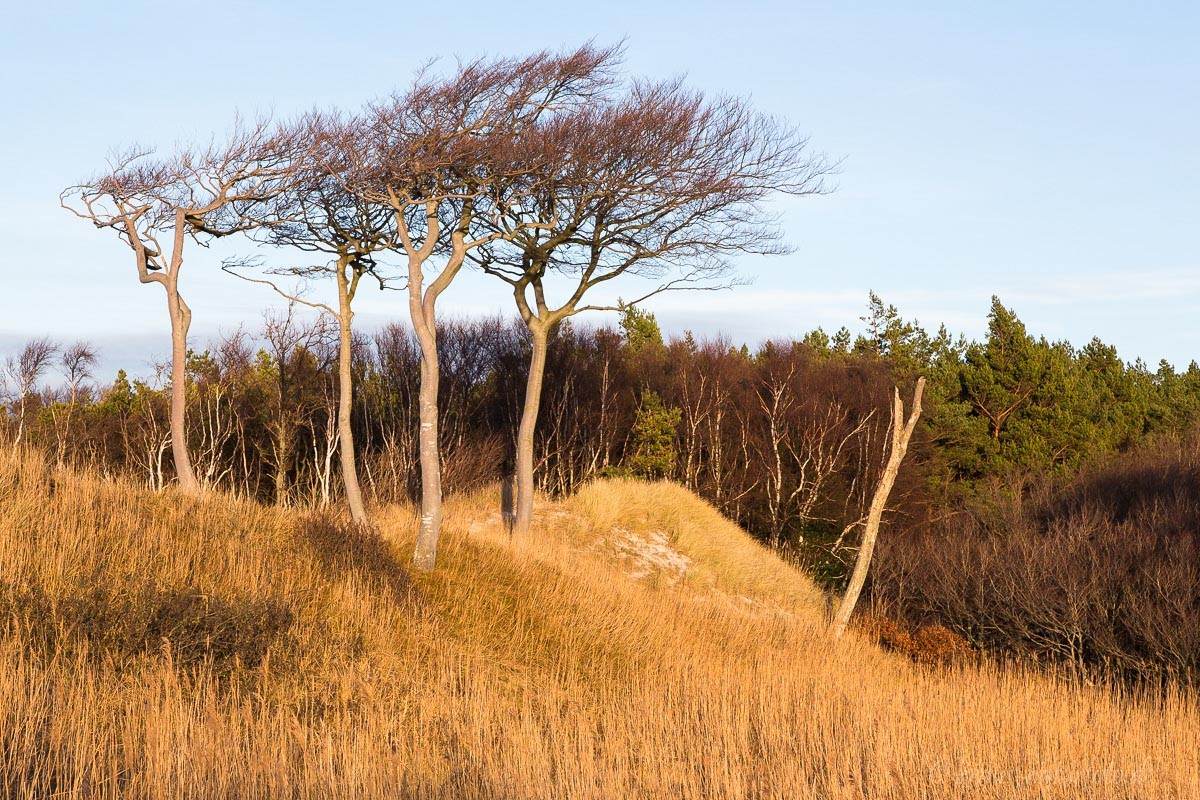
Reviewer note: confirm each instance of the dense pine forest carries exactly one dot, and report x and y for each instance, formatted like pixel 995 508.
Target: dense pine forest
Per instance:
pixel 1046 511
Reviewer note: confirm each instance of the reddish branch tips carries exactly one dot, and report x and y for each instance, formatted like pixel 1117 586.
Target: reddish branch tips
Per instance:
pixel 585 173
pixel 198 192
pixel 650 180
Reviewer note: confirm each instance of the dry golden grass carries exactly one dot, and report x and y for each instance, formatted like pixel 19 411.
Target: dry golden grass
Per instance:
pixel 156 646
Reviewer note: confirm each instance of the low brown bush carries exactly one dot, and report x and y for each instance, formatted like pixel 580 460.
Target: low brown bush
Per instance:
pixel 929 644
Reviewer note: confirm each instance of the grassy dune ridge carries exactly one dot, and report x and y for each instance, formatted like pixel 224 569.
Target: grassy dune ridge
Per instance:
pixel 159 646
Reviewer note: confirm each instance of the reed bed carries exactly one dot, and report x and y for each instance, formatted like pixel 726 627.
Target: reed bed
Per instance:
pixel 157 646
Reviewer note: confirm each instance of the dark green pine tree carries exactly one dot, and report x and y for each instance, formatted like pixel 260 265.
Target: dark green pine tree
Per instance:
pixel 999 376
pixel 639 327
pixel 119 397
pixel 652 444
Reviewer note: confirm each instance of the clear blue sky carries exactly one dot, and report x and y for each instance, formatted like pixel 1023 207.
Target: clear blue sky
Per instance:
pixel 1045 152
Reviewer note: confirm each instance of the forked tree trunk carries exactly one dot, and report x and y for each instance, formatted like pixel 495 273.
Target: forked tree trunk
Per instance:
pixel 422 309
pixel 181 321
pixel 346 453
pixel 900 439
pixel 525 433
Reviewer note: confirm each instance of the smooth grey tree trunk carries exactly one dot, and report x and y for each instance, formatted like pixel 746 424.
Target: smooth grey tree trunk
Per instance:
pixel 181 322
pixel 900 439
pixel 422 309
pixel 346 452
pixel 425 553
pixel 525 434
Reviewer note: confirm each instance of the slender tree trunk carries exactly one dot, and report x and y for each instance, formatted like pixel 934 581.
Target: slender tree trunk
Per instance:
pixel 422 307
pixel 425 553
pixel 283 460
pixel 325 464
pixel 345 400
pixel 181 321
pixel 20 422
pixel 900 439
pixel 529 415
pixel 62 437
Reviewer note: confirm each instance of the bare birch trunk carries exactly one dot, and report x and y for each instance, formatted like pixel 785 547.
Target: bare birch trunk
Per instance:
pixel 346 398
pixel 529 415
pixel 20 425
pixel 283 459
pixel 900 439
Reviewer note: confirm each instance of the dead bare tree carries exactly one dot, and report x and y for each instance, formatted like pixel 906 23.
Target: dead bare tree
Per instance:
pixel 817 449
pixel 220 379
pixel 697 392
pixel 776 401
pixel 901 434
pixel 658 182
pixel 78 365
pixel 445 157
pixel 156 206
pixel 804 443
pixel 147 430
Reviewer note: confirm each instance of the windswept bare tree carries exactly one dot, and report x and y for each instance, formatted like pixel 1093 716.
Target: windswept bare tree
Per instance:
pixel 447 158
pixel 315 212
pixel 657 181
pixel 156 206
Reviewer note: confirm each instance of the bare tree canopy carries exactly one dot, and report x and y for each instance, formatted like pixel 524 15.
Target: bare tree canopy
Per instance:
pixel 78 363
pixel 450 158
pixel 156 205
pixel 313 211
pixel 25 370
pixel 653 180
pixel 554 164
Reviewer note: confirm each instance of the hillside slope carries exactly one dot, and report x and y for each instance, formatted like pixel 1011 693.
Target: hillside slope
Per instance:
pixel 642 646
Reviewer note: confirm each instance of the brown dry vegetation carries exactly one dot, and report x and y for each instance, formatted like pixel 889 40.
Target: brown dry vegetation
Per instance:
pixel 162 646
pixel 1097 572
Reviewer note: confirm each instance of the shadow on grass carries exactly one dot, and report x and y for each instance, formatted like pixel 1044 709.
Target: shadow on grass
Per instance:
pixel 343 548
pixel 197 627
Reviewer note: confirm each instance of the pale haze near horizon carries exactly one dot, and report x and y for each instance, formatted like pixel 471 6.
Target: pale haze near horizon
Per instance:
pixel 1045 155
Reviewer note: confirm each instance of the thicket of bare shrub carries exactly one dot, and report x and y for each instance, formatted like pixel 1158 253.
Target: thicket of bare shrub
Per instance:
pixel 1099 571
pixel 783 439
